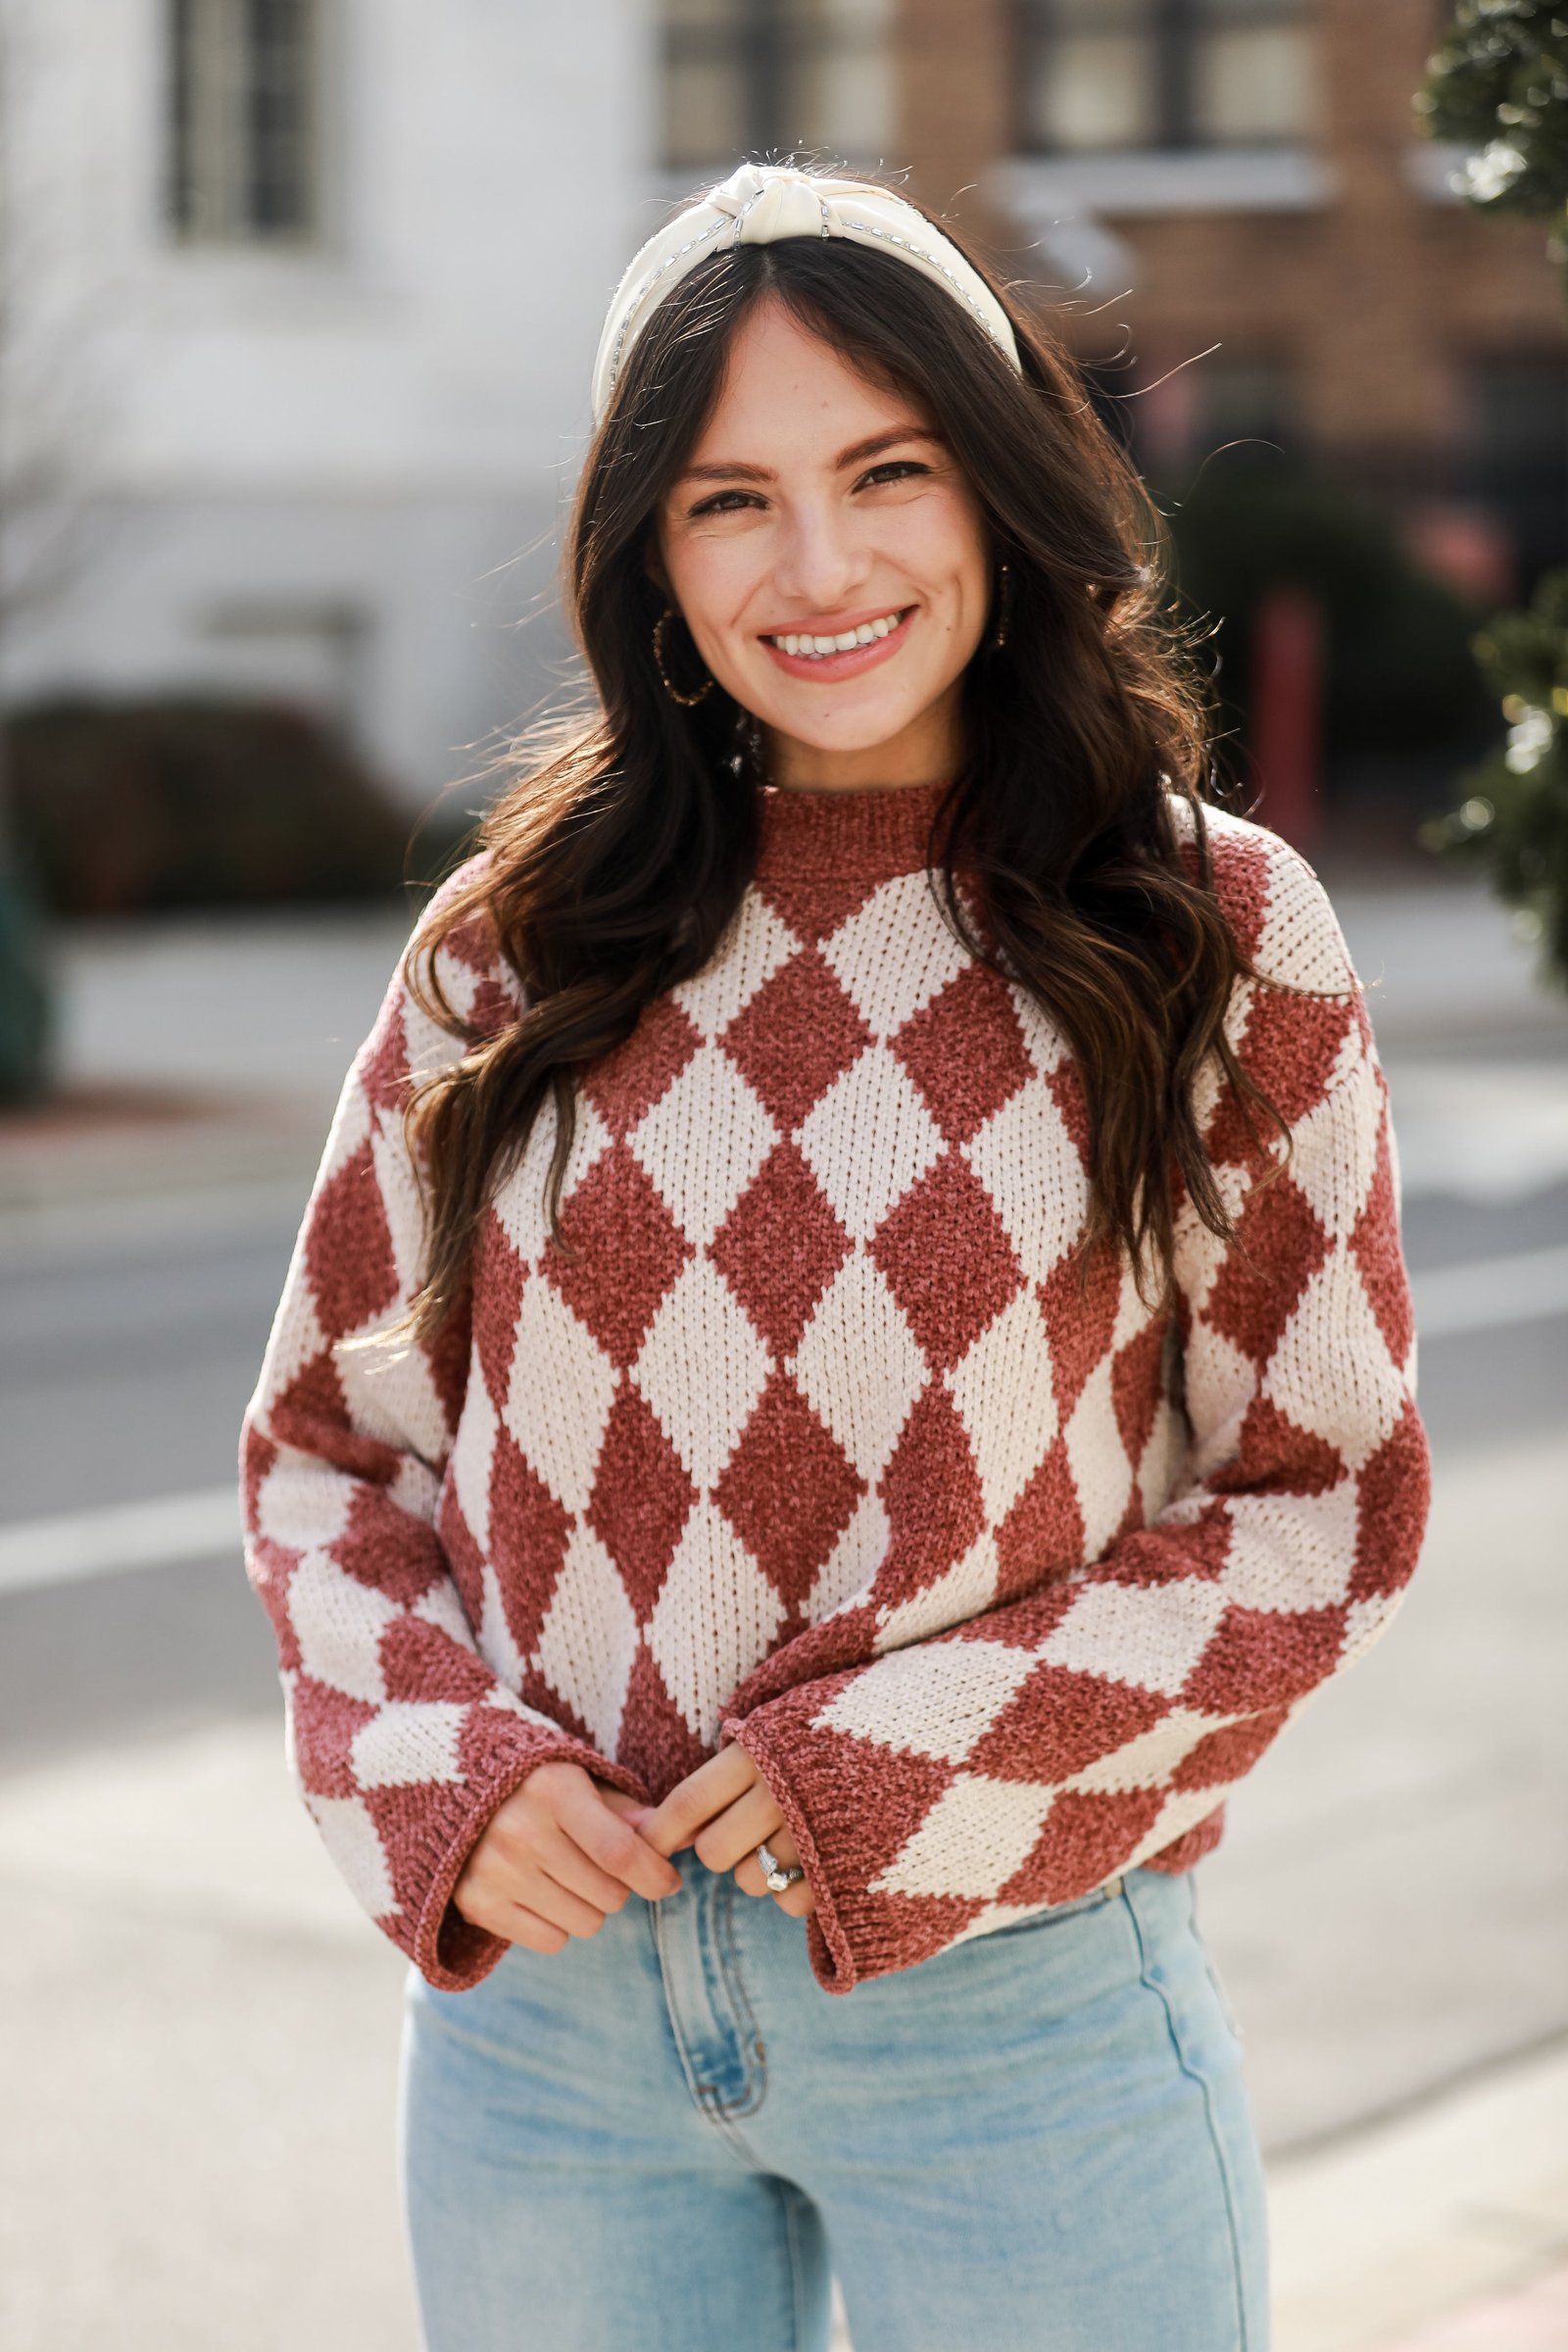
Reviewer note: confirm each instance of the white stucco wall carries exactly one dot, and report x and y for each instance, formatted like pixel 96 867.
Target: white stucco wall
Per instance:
pixel 338 473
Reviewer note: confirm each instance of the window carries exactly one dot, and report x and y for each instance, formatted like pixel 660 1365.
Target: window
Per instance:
pixel 771 78
pixel 242 119
pixel 1119 73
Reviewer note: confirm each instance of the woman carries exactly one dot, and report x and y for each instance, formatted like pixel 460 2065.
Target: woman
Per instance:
pixel 850 1348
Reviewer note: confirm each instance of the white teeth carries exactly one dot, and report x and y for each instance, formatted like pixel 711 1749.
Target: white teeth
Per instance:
pixel 812 648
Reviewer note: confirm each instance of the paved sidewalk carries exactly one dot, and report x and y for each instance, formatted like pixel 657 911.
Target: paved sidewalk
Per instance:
pixel 1443 2230
pixel 1531 2319
pixel 197 1051
pixel 202 2036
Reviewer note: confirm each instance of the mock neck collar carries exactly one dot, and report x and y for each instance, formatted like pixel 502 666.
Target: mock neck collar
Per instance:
pixel 871 835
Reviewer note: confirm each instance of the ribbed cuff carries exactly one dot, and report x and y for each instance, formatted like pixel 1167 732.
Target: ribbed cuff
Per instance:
pixel 831 1954
pixel 450 1952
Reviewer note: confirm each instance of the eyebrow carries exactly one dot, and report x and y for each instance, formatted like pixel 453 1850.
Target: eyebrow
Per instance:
pixel 856 454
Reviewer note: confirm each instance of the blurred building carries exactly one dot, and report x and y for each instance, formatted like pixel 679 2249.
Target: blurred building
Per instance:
pixel 1229 208
pixel 298 296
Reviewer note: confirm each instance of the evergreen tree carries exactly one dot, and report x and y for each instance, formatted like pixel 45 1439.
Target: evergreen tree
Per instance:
pixel 1498 86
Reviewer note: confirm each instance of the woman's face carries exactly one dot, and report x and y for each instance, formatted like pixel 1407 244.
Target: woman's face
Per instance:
pixel 831 563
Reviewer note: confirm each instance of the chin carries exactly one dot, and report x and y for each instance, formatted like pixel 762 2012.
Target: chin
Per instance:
pixel 845 731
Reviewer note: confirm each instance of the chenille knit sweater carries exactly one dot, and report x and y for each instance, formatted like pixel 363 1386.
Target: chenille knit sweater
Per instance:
pixel 813 1444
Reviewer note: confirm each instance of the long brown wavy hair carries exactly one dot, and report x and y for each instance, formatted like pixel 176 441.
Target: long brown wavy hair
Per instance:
pixel 615 864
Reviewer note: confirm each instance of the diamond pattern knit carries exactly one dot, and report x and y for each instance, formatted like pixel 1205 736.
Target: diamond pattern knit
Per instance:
pixel 815 1445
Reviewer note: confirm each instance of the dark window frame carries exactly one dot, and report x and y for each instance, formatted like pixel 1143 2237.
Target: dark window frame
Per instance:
pixel 755 44
pixel 1174 31
pixel 760 41
pixel 243 122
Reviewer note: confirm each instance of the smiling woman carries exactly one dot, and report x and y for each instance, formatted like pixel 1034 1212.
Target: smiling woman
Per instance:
pixel 831 561
pixel 850 1348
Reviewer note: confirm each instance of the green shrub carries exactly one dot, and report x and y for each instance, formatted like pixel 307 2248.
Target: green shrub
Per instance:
pixel 24 1007
pixel 1402 682
pixel 120 806
pixel 1513 820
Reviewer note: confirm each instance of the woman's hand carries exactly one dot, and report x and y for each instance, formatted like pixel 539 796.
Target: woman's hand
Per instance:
pixel 726 1809
pixel 557 1856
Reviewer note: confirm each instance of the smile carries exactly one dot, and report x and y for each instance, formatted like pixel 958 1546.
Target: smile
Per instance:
pixel 846 652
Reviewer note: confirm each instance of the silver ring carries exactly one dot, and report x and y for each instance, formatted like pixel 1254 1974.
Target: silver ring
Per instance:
pixel 776 1874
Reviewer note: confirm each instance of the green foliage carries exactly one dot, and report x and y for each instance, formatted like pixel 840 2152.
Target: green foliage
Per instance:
pixel 1498 86
pixel 1401 677
pixel 124 807
pixel 24 1013
pixel 1514 817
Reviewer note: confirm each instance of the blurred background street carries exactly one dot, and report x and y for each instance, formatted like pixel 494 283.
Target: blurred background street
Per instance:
pixel 295 318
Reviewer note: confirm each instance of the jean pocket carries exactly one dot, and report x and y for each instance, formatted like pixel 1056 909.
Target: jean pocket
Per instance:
pixel 1052 1912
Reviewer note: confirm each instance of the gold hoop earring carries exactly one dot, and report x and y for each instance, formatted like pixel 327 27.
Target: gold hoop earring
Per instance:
pixel 998 635
pixel 662 663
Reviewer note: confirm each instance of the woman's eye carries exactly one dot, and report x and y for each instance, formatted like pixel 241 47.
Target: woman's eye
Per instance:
pixel 893 470
pixel 723 501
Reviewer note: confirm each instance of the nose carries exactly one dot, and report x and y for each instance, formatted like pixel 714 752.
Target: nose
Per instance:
pixel 821 560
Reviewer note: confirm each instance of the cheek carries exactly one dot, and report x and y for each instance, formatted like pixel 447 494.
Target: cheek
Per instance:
pixel 711 579
pixel 942 550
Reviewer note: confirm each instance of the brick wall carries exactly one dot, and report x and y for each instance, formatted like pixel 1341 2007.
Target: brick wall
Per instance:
pixel 1372 303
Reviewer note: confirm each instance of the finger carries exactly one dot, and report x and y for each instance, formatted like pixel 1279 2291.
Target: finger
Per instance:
pixel 560 1906
pixel 566 1862
pixel 526 1926
pixel 630 1808
pixel 694 1801
pixel 497 1912
pixel 615 1845
pixel 698 1797
pixel 740 1828
pixel 749 1874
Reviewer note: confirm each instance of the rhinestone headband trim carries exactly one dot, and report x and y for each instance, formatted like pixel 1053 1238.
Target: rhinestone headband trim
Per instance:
pixel 837 205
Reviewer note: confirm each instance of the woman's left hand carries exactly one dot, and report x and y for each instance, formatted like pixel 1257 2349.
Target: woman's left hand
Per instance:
pixel 726 1810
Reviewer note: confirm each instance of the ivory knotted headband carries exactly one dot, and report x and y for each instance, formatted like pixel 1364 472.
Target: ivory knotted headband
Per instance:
pixel 761 203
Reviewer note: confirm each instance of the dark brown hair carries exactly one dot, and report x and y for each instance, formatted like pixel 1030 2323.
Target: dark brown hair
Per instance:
pixel 615 865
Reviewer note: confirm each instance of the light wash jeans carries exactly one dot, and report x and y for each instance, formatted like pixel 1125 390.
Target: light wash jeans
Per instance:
pixel 668 2138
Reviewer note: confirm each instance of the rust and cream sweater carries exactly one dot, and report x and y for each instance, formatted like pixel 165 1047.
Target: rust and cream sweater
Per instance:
pixel 813 1444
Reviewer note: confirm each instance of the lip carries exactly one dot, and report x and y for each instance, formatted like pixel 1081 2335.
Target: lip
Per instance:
pixel 828 668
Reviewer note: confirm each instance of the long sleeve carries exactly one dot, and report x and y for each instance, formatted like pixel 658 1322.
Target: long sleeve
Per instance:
pixel 1027 1754
pixel 401 1737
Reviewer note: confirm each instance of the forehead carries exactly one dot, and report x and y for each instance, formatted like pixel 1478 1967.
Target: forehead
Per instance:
pixel 786 387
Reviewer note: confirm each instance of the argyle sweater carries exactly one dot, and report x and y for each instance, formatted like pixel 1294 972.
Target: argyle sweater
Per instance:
pixel 814 1445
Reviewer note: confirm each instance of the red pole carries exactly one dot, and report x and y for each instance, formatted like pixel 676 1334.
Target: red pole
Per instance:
pixel 1287 712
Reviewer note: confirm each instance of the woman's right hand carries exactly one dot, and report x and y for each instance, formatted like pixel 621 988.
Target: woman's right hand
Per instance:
pixel 555 1857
